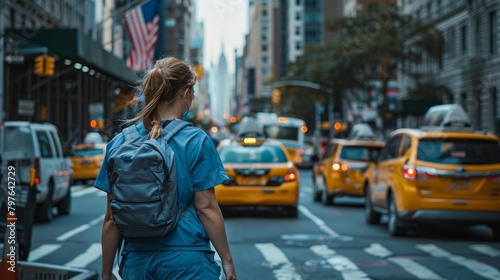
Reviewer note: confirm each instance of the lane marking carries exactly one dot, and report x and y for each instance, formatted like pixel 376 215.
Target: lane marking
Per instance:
pixel 320 223
pixel 283 269
pixel 485 249
pixel 43 251
pixel 75 231
pixel 477 267
pixel 83 260
pixel 347 268
pixel 415 268
pixel 83 192
pixel 378 250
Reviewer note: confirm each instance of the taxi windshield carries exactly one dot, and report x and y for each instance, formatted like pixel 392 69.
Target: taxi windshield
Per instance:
pixel 252 154
pixel 459 151
pixel 359 153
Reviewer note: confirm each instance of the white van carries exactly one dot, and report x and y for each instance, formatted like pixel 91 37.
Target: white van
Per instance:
pixel 37 145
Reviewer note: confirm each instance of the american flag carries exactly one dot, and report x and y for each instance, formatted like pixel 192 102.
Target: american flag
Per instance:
pixel 142 25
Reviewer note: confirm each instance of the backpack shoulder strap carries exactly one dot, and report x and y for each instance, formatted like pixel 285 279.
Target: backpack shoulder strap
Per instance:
pixel 173 127
pixel 130 132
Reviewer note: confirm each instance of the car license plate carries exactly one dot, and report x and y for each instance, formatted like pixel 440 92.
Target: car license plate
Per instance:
pixel 460 185
pixel 250 180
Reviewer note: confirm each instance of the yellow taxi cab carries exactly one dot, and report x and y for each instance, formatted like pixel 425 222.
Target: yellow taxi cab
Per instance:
pixel 341 170
pixel 87 160
pixel 261 173
pixel 442 173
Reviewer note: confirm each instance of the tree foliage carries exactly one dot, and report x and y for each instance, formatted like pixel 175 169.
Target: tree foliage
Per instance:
pixel 368 47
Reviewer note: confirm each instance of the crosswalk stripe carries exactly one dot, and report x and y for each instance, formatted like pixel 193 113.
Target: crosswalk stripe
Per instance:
pixel 347 268
pixel 378 250
pixel 77 230
pixel 477 267
pixel 320 223
pixel 83 260
pixel 285 269
pixel 485 249
pixel 83 192
pixel 415 269
pixel 42 251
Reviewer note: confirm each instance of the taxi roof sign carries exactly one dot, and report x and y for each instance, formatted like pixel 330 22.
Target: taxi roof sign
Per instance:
pixel 447 117
pixel 251 128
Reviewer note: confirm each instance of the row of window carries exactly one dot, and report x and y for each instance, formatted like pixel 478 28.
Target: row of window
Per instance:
pixel 477 36
pixel 478 41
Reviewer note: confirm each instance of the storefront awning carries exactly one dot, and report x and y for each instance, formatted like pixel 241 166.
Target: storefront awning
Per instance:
pixel 71 43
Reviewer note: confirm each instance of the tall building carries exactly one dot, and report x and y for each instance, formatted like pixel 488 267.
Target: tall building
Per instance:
pixel 197 43
pixel 355 7
pixel 470 67
pixel 220 93
pixel 313 22
pixel 261 42
pixel 173 35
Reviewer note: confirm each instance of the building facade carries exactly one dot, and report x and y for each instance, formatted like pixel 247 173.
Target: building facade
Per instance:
pixel 86 77
pixel 174 32
pixel 470 67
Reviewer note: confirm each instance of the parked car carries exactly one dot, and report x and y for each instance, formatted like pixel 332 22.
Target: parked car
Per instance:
pixel 87 160
pixel 261 173
pixel 341 169
pixel 444 173
pixel 38 146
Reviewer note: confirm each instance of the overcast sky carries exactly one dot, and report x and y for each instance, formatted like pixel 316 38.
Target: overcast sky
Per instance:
pixel 226 23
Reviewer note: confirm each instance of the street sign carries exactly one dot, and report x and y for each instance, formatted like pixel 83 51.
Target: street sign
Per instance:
pixel 12 59
pixel 26 107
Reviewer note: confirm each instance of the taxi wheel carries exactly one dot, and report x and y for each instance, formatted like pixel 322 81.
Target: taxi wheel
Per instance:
pixel 326 198
pixel 394 224
pixel 291 212
pixel 316 191
pixel 371 217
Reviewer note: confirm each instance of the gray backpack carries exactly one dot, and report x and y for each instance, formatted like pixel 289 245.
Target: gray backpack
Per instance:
pixel 143 180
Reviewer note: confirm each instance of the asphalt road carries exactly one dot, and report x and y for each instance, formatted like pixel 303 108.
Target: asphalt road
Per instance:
pixel 324 242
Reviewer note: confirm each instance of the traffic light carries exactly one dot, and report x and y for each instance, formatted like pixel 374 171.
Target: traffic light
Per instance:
pixel 276 96
pixel 49 66
pixel 39 67
pixel 337 126
pixel 93 124
pixel 44 66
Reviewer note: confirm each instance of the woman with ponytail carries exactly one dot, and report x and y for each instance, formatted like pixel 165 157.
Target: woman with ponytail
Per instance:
pixel 186 252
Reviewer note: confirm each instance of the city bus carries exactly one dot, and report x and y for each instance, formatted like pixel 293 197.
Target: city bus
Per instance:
pixel 289 130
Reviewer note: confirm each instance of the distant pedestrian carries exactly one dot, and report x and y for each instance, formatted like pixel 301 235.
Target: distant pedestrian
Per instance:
pixel 186 252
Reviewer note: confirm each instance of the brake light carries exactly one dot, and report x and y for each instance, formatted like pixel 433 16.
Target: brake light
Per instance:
pixel 495 179
pixel 340 167
pixel 409 172
pixel 291 175
pixel 37 171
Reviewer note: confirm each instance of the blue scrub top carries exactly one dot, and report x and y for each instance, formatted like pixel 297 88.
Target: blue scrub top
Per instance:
pixel 199 168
